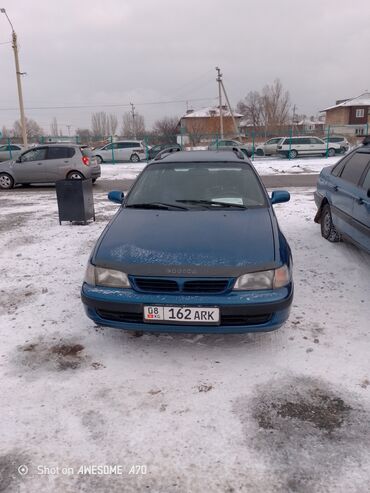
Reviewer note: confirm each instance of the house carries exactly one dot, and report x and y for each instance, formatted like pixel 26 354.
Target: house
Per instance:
pixel 311 125
pixel 204 124
pixel 349 116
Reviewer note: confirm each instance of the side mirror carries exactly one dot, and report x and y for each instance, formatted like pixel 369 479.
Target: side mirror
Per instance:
pixel 116 197
pixel 279 196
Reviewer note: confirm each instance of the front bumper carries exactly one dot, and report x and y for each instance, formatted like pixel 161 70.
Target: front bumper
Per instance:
pixel 243 311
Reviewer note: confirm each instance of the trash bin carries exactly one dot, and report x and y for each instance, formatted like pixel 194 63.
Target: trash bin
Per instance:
pixel 75 200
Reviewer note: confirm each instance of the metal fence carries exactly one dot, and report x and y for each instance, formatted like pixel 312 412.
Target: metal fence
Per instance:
pixel 251 137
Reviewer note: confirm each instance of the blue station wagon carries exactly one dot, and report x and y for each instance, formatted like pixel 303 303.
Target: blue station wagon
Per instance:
pixel 343 198
pixel 194 247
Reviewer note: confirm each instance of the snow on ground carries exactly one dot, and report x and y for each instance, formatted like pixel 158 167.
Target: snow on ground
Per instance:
pixel 264 166
pixel 275 412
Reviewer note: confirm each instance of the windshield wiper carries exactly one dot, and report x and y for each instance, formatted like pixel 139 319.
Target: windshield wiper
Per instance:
pixel 157 205
pixel 212 203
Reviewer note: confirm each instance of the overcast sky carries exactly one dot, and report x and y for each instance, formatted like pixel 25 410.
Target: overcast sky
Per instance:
pixel 113 52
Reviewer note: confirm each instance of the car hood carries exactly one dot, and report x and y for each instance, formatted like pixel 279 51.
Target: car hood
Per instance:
pixel 192 243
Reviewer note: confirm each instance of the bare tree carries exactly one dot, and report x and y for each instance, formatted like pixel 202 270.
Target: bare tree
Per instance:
pixel 252 108
pixel 133 127
pixel 54 131
pixel 84 135
pixel 166 129
pixel 103 124
pixel 276 104
pixel 5 132
pixel 33 129
pixel 113 124
pixel 99 124
pixel 270 108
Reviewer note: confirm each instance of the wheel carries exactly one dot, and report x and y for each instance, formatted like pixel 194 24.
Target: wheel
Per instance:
pixel 259 152
pixel 6 181
pixel 292 154
pixel 134 158
pixel 342 150
pixel 99 159
pixel 331 152
pixel 328 230
pixel 75 175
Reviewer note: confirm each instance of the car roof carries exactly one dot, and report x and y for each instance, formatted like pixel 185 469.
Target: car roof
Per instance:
pixel 201 156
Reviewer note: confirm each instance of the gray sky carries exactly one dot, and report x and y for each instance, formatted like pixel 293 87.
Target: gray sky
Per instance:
pixel 86 52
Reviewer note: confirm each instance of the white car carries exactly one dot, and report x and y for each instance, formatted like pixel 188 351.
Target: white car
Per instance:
pixel 121 150
pixel 269 147
pixel 10 151
pixel 305 146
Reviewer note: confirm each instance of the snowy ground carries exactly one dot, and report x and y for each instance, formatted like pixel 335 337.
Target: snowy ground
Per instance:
pixel 276 412
pixel 264 166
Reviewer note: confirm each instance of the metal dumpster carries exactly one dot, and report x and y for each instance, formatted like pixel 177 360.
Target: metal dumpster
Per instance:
pixel 75 200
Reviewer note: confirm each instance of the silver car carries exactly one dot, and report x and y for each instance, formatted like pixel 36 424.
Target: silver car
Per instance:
pixel 10 151
pixel 269 147
pixel 48 164
pixel 226 145
pixel 121 150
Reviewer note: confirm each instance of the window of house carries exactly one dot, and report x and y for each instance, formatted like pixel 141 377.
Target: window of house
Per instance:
pixel 360 113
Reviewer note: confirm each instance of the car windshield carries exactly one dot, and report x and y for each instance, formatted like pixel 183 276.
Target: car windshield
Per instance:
pixel 198 185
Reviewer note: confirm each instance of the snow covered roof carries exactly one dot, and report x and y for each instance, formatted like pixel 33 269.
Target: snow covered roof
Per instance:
pixel 210 111
pixel 307 121
pixel 362 100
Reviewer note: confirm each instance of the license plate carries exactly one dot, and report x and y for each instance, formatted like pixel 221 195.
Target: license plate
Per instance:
pixel 183 315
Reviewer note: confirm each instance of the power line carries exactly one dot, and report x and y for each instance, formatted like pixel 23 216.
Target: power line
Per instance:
pixel 107 105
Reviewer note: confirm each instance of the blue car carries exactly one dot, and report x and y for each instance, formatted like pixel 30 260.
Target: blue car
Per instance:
pixel 343 198
pixel 194 247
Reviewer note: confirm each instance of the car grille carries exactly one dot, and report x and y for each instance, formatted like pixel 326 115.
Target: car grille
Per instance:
pixel 132 317
pixel 156 285
pixel 226 320
pixel 194 286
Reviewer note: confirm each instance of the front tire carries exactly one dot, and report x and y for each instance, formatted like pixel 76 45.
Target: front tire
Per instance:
pixel 75 175
pixel 292 154
pixel 6 181
pixel 331 152
pixel 134 158
pixel 259 152
pixel 99 159
pixel 328 230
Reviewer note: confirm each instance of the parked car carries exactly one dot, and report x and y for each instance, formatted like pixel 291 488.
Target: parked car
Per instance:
pixel 225 145
pixel 155 150
pixel 338 139
pixel 194 247
pixel 269 147
pixel 343 198
pixel 122 150
pixel 10 151
pixel 49 163
pixel 293 147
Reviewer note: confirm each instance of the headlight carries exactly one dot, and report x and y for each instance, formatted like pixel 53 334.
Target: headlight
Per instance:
pixel 267 279
pixel 98 276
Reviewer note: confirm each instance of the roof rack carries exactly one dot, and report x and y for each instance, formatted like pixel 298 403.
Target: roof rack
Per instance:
pixel 238 152
pixel 366 141
pixel 164 153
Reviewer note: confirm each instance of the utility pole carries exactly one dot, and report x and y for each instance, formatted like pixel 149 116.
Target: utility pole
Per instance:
pixel 133 119
pixel 19 85
pixel 219 80
pixel 230 109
